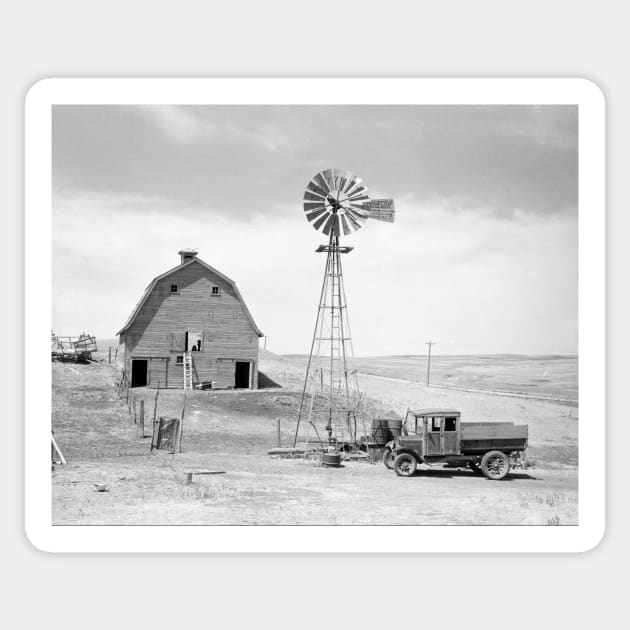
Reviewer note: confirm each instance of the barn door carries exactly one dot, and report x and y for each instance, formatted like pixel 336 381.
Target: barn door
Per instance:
pixel 241 375
pixel 139 372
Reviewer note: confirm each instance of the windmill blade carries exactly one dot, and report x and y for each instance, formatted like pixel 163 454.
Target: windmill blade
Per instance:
pixel 359 211
pixel 312 196
pixel 321 182
pixel 315 189
pixel 358 193
pixel 313 214
pixel 359 215
pixel 356 184
pixel 344 180
pixel 319 222
pixel 309 206
pixel 329 178
pixel 346 225
pixel 356 224
pixel 340 180
pixel 351 182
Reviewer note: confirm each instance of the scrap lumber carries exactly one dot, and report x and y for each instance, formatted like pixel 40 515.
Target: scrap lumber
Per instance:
pixel 57 450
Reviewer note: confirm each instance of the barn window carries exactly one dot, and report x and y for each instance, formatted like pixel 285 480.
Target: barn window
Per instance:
pixel 216 291
pixel 174 288
pixel 179 360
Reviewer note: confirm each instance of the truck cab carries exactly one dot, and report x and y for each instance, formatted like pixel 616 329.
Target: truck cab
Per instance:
pixel 431 432
pixel 438 436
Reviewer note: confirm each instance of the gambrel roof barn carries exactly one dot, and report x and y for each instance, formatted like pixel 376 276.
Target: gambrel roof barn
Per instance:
pixel 191 314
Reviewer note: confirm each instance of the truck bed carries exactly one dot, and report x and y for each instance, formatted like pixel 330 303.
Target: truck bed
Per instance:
pixel 480 437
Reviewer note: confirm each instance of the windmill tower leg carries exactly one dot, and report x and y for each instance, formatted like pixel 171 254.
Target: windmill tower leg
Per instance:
pixel 330 400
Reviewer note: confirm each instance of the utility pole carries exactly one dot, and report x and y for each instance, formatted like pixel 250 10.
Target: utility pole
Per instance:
pixel 429 343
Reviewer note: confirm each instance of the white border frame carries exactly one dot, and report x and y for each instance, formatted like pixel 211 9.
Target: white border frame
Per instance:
pixel 590 530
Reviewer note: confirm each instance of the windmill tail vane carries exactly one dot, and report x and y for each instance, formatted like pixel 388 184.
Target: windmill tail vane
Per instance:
pixel 335 201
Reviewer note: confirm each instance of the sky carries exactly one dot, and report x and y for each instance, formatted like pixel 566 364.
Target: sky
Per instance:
pixel 482 257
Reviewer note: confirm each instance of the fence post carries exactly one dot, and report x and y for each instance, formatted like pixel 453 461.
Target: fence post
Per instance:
pixel 135 417
pixel 180 428
pixel 141 420
pixel 155 406
pixel 110 354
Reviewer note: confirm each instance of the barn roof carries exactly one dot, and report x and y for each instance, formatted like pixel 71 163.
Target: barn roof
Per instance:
pixel 151 286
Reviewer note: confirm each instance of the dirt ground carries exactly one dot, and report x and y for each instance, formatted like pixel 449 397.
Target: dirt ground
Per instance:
pixel 230 432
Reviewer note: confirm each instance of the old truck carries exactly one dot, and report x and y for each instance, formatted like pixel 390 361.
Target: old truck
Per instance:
pixel 438 436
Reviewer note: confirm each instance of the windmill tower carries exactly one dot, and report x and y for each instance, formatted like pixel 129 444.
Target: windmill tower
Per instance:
pixel 335 201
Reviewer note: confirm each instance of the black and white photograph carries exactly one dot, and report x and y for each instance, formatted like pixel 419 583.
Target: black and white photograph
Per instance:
pixel 336 295
pixel 209 261
pixel 294 314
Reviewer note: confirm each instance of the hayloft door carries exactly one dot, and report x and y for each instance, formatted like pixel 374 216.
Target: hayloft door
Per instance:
pixel 193 341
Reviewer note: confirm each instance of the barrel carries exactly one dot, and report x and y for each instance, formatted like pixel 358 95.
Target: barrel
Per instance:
pixel 395 427
pixel 375 453
pixel 332 460
pixel 380 431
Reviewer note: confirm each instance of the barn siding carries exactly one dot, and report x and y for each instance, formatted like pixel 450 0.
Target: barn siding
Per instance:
pixel 158 331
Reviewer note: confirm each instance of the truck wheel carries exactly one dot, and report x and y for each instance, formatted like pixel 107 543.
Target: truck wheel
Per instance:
pixel 388 459
pixel 405 465
pixel 495 465
pixel 475 467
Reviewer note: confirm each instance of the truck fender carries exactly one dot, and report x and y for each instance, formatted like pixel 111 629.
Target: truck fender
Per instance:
pixel 400 451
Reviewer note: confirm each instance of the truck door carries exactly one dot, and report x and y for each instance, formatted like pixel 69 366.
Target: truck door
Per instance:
pixel 434 435
pixel 451 436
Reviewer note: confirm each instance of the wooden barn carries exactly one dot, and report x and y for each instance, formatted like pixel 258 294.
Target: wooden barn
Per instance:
pixel 191 328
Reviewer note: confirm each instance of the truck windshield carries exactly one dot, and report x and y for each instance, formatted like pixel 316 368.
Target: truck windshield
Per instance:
pixel 413 425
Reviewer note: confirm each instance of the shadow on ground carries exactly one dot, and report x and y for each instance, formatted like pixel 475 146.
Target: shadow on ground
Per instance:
pixel 442 473
pixel 264 382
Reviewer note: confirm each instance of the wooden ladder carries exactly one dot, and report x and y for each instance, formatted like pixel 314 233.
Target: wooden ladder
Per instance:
pixel 188 370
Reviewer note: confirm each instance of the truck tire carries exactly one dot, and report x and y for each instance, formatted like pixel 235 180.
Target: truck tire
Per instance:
pixel 405 465
pixel 388 459
pixel 495 465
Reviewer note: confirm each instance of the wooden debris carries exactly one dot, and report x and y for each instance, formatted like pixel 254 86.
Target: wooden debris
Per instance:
pixel 57 450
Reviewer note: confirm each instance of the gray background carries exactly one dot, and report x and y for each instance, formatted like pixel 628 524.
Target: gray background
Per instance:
pixel 562 38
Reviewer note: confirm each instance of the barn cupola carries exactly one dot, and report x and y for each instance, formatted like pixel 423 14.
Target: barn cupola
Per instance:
pixel 187 255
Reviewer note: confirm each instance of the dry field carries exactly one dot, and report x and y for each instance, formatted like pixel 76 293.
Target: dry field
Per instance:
pixel 231 431
pixel 544 376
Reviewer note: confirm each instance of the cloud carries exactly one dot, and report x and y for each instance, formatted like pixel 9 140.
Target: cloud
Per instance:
pixel 483 253
pixel 491 284
pixel 247 159
pixel 188 125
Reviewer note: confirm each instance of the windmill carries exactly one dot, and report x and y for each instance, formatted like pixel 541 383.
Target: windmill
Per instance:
pixel 335 201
